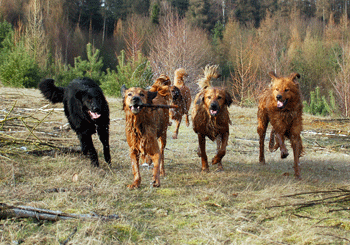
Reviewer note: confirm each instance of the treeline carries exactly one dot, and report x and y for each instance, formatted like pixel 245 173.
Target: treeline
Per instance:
pixel 132 41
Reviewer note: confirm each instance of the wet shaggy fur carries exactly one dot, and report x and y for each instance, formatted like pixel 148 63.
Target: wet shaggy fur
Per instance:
pixel 143 127
pixel 87 111
pixel 210 118
pixel 182 100
pixel 281 105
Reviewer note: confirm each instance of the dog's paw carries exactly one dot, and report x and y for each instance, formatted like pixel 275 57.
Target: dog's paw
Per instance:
pixel 262 162
pixel 133 186
pixel 205 170
pixel 155 184
pixel 284 154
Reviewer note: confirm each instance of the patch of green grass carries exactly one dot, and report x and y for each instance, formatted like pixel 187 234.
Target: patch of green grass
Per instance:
pixel 167 192
pixel 123 233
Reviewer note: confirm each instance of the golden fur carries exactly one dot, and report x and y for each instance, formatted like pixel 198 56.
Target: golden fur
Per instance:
pixel 210 118
pixel 143 127
pixel 182 100
pixel 281 105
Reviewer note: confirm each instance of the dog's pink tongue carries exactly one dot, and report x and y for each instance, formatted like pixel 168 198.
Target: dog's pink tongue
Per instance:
pixel 279 104
pixel 94 115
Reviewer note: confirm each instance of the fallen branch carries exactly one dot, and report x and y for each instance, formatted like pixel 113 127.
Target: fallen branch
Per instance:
pixel 69 237
pixel 332 235
pixel 332 120
pixel 7 211
pixel 343 197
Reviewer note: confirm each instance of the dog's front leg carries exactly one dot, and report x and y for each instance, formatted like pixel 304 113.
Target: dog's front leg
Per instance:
pixel 162 141
pixel 262 126
pixel 135 169
pixel 297 149
pixel 280 141
pixel 156 161
pixel 203 154
pixel 88 148
pixel 103 133
pixel 221 142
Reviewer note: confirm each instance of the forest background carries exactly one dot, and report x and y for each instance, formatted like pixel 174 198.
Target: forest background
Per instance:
pixel 133 41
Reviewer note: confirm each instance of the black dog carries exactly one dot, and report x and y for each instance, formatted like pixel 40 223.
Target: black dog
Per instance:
pixel 86 109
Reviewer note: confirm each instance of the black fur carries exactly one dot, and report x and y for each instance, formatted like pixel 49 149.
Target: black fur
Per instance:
pixel 83 101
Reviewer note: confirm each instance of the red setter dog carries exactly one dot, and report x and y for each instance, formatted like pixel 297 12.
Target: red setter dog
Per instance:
pixel 210 117
pixel 143 127
pixel 281 105
pixel 182 100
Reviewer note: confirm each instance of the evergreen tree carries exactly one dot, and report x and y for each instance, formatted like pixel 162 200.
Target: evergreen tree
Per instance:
pixel 248 11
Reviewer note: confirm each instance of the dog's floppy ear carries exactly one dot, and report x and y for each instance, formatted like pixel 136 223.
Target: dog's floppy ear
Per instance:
pixel 273 75
pixel 200 98
pixel 123 89
pixel 151 96
pixel 79 94
pixel 228 99
pixel 294 75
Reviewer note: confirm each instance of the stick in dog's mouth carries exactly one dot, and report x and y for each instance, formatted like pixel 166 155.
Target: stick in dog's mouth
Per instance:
pixel 159 106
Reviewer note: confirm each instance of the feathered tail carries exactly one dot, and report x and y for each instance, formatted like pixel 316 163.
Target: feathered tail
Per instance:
pixel 210 71
pixel 179 76
pixel 50 91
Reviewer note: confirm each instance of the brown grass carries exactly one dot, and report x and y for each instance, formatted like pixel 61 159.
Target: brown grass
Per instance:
pixel 230 207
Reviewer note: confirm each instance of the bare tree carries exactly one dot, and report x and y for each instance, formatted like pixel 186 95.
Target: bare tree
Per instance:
pixel 176 45
pixel 245 85
pixel 36 41
pixel 341 82
pixel 134 36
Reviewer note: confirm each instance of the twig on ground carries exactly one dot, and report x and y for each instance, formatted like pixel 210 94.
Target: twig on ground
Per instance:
pixel 7 211
pixel 331 199
pixel 69 237
pixel 332 235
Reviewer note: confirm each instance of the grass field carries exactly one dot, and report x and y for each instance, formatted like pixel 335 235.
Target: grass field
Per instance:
pixel 245 204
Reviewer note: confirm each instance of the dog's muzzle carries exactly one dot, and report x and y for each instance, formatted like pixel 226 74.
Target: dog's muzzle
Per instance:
pixel 281 104
pixel 214 109
pixel 135 104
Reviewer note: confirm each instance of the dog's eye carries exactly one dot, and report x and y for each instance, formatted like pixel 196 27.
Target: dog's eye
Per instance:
pixel 142 95
pixel 277 89
pixel 286 90
pixel 209 97
pixel 129 94
pixel 219 97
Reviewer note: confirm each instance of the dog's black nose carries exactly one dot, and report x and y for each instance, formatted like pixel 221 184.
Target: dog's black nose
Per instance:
pixel 279 97
pixel 136 99
pixel 214 106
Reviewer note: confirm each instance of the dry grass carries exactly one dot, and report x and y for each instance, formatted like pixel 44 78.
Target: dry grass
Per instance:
pixel 245 204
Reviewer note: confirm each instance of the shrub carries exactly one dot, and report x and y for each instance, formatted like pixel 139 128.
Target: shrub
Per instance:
pixel 5 31
pixel 92 67
pixel 19 69
pixel 135 72
pixel 319 105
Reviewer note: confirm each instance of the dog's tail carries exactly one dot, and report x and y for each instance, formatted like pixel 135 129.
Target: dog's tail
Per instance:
pixel 210 71
pixel 179 77
pixel 50 91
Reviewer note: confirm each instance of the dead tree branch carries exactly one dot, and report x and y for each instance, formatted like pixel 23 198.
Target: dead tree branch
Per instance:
pixel 8 211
